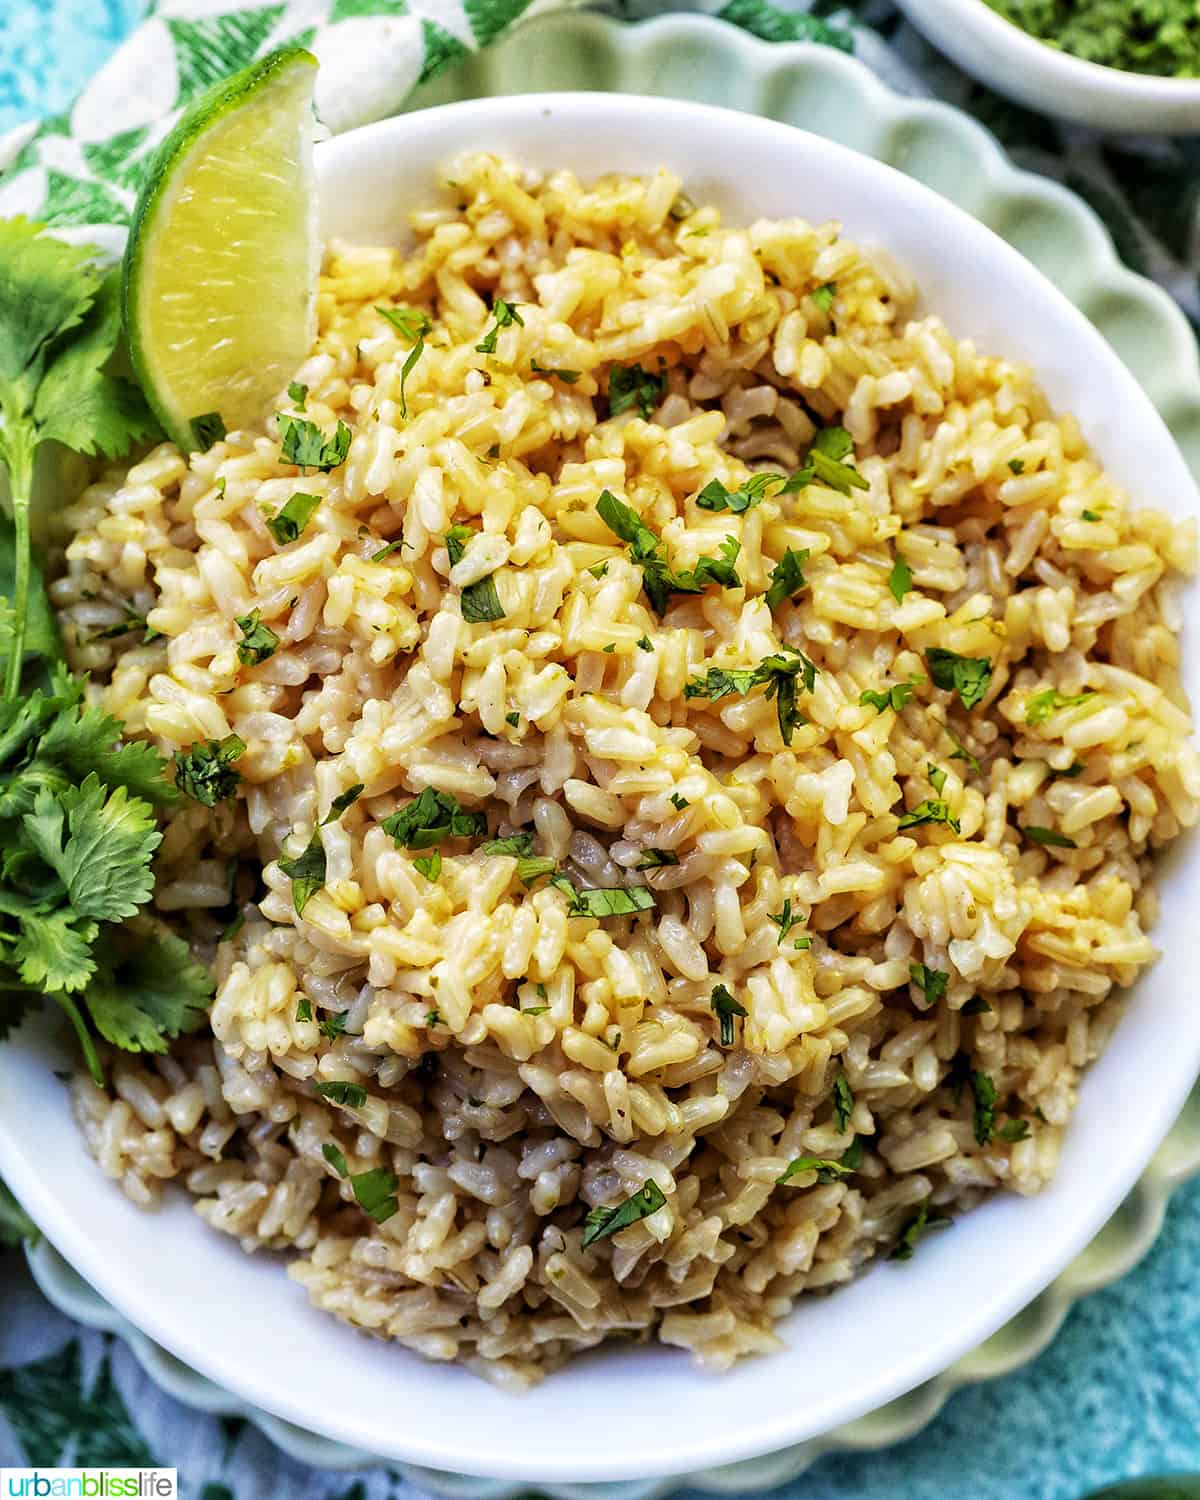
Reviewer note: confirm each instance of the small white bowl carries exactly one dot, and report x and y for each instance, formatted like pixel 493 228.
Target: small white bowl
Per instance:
pixel 634 1412
pixel 1008 59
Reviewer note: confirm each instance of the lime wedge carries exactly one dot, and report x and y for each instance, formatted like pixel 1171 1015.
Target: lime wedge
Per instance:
pixel 221 267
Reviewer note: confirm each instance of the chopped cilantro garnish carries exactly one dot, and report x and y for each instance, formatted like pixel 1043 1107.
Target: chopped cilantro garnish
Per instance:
pixel 291 520
pixel 207 430
pixel 304 1010
pixel 430 865
pixel 1089 515
pixel 726 1007
pixel 900 579
pixel 852 1156
pixel 930 811
pixel 654 859
pixel 342 801
pixel 233 929
pixel 1017 465
pixel 375 1193
pixel 823 295
pixel 843 1103
pixel 931 982
pixel 351 1095
pixel 659 579
pixel 1049 836
pixel 985 1106
pixel 826 1169
pixel 568 377
pixel 258 641
pixel 629 385
pixel 516 844
pixel 434 1018
pixel 298 393
pixel 307 872
pixel 920 1222
pixel 134 620
pixel 386 551
pixel 785 921
pixel 895 697
pixel 599 570
pixel 1013 1131
pixel 968 676
pixel 335 1158
pixel 504 314
pixel 975 1006
pixel 643 643
pixel 406 369
pixel 618 902
pixel 937 777
pixel 480 602
pixel 787 577
pixel 456 540
pixel 512 718
pixel 777 673
pixel 714 495
pixel 409 322
pixel 531 868
pixel 678 802
pixel 961 752
pixel 824 462
pixel 333 1025
pixel 431 818
pixel 602 1222
pixel 305 445
pixel 1043 705
pixel 205 770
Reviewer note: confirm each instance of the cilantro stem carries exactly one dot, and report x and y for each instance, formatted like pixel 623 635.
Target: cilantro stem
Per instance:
pixel 19 445
pixel 85 1041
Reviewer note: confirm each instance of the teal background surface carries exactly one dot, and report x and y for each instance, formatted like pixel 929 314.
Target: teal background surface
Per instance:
pixel 1117 1395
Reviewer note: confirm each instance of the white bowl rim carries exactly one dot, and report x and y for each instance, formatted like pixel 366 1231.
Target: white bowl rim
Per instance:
pixel 1117 83
pixel 699 1445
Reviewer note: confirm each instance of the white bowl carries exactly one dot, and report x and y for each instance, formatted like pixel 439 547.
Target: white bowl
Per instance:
pixel 635 1412
pixel 1006 58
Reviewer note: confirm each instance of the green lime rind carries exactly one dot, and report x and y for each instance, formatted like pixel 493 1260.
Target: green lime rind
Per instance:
pixel 214 105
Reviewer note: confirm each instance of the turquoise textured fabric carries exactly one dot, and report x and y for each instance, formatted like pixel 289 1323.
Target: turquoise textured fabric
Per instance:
pixel 1117 1395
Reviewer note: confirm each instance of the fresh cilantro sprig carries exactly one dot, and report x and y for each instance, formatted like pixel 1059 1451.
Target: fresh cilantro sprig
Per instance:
pixel 504 315
pixel 602 1222
pixel 77 806
pixel 778 673
pixel 630 385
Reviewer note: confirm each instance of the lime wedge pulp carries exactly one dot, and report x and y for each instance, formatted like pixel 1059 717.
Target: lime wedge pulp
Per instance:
pixel 221 267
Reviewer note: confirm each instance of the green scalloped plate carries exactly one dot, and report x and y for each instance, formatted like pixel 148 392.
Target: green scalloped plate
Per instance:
pixel 831 94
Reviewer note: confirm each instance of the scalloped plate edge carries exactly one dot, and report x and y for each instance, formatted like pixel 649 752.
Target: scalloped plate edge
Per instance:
pixel 754 76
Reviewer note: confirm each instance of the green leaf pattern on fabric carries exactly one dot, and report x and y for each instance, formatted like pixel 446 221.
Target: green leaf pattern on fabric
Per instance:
pixel 59 1418
pixel 209 48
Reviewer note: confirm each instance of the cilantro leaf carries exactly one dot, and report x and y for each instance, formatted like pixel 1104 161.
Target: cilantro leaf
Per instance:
pixel 787 578
pixel 258 641
pixel 293 517
pixel 504 314
pixel 410 364
pixel 931 810
pixel 568 377
pixel 304 444
pixel 531 868
pixel 342 802
pixel 205 770
pixel 726 1007
pixel 900 579
pixel 931 982
pixel 630 385
pixel 307 871
pixel 826 1170
pixel 751 492
pixel 336 1159
pixel 430 865
pixel 602 1222
pixel 824 462
pixel 777 673
pixel 659 579
pixel 98 842
pixel 1048 836
pixel 350 1095
pixel 147 988
pixel 823 296
pixel 53 950
pixel 1042 705
pixel 1013 1131
pixel 961 752
pixel 785 921
pixel 409 322
pixel 843 1103
pixel 895 697
pixel 985 1106
pixel 937 777
pixel 654 859
pixel 375 1193
pixel 975 1006
pixel 480 602
pixel 915 1227
pixel 619 902
pixel 968 676
pixel 298 393
pixel 431 818
pixel 519 845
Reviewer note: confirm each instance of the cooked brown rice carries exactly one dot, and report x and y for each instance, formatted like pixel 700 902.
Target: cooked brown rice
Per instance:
pixel 522 1067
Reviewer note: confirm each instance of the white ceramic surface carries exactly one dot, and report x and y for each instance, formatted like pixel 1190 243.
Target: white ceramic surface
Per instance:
pixel 1006 58
pixel 640 1412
